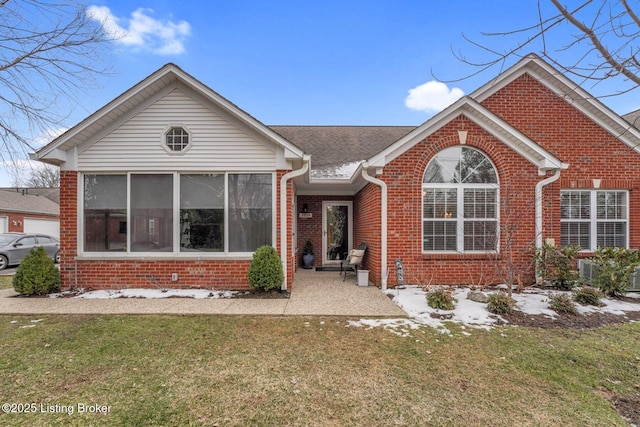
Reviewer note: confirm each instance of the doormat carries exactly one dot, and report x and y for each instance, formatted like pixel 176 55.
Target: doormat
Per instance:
pixel 328 268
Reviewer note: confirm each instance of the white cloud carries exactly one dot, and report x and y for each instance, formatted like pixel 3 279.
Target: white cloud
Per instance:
pixel 47 136
pixel 432 97
pixel 142 30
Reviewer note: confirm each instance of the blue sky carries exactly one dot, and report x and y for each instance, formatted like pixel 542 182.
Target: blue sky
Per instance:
pixel 303 63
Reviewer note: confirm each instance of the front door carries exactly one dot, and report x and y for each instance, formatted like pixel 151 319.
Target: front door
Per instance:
pixel 337 230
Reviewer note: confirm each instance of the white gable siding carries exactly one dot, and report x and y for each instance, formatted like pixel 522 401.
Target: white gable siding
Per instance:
pixel 216 144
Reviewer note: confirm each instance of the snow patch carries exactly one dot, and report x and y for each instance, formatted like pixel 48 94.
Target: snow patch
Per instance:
pixel 154 293
pixel 343 171
pixel 474 315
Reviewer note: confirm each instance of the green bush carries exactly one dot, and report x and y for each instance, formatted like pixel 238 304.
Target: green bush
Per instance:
pixel 441 299
pixel 500 303
pixel 265 271
pixel 613 268
pixel 558 265
pixel 587 295
pixel 36 274
pixel 562 303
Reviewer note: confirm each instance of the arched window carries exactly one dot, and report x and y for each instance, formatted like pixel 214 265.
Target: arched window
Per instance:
pixel 460 202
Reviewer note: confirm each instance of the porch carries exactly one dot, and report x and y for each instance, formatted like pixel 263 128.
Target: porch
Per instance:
pixel 324 293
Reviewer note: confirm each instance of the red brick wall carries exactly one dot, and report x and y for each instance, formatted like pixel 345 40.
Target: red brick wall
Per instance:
pixel 404 175
pixel 367 215
pixel 123 273
pixel 69 228
pixel 527 105
pixel 291 261
pixel 120 273
pixel 591 151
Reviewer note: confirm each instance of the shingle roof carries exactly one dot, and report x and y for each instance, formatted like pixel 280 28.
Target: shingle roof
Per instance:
pixel 633 117
pixel 339 145
pixel 13 200
pixel 52 194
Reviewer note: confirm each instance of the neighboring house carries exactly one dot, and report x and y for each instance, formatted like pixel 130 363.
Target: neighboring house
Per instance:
pixel 171 184
pixel 30 210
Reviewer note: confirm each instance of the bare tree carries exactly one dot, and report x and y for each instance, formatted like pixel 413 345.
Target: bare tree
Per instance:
pixel 44 176
pixel 603 43
pixel 50 52
pixel 514 262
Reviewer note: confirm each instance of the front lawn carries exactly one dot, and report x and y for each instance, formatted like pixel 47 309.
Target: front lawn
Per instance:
pixel 6 282
pixel 222 370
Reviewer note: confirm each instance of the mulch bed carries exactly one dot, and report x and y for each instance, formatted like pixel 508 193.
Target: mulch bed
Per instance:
pixel 253 294
pixel 568 321
pixel 628 407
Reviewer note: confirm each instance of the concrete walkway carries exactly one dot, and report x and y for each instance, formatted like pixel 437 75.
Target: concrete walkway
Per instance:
pixel 314 293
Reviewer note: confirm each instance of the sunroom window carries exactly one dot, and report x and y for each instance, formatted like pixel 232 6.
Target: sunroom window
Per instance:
pixel 250 211
pixel 152 213
pixel 202 212
pixel 460 202
pixel 105 213
pixel 136 213
pixel 593 219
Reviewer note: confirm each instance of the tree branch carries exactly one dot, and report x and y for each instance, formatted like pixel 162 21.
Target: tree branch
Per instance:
pixel 595 41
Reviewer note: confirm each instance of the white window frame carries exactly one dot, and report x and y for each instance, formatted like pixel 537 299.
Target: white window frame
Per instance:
pixel 459 218
pixel 593 219
pixel 176 253
pixel 165 132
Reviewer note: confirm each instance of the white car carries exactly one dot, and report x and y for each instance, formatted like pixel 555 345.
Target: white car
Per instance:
pixel 14 247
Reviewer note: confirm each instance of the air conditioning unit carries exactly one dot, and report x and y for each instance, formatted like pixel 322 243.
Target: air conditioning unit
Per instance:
pixel 588 271
pixel 634 281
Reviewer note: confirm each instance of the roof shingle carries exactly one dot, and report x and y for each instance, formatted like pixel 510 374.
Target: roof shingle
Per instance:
pixel 13 200
pixel 339 145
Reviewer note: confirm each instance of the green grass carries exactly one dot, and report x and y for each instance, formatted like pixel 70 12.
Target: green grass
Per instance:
pixel 6 282
pixel 238 371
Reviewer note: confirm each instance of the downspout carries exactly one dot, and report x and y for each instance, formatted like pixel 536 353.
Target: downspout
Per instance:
pixel 539 187
pixel 283 214
pixel 383 222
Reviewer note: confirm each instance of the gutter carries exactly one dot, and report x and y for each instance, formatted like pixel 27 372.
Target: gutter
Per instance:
pixel 283 214
pixel 539 187
pixel 383 222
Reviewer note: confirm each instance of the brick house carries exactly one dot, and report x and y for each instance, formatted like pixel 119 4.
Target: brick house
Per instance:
pixel 172 184
pixel 29 210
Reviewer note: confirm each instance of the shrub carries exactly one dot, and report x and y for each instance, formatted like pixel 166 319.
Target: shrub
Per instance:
pixel 441 299
pixel 613 268
pixel 36 274
pixel 558 265
pixel 265 271
pixel 500 303
pixel 562 303
pixel 587 295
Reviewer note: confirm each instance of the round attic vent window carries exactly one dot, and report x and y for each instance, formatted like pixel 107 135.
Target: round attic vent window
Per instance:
pixel 177 139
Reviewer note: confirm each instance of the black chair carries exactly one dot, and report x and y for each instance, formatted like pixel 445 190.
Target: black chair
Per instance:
pixel 353 260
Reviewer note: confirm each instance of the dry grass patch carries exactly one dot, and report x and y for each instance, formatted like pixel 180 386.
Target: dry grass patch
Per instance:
pixel 208 370
pixel 6 282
